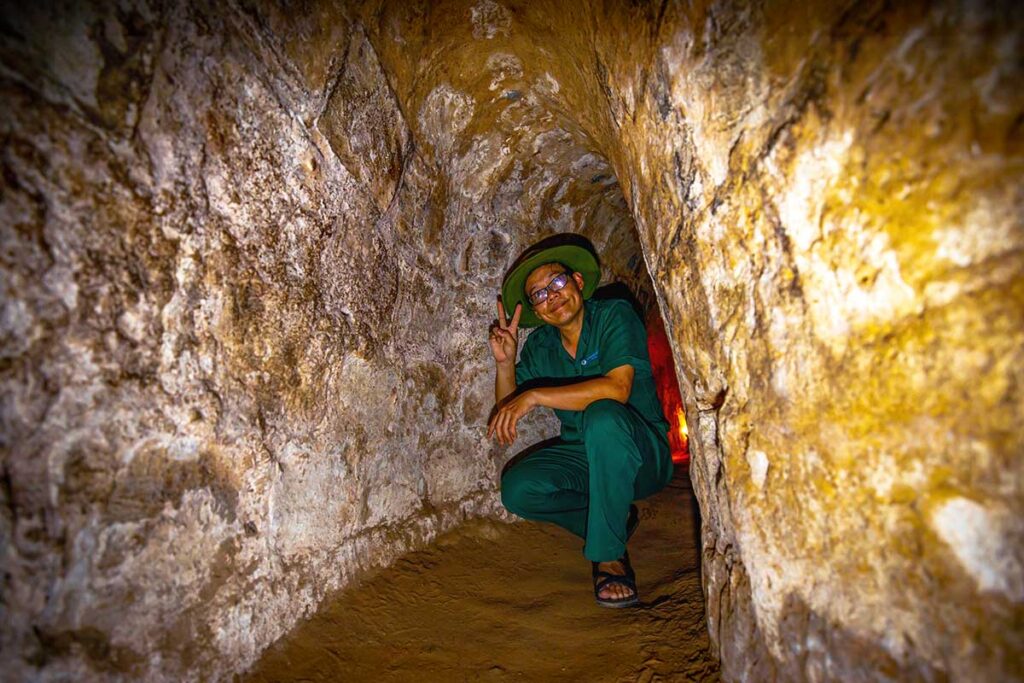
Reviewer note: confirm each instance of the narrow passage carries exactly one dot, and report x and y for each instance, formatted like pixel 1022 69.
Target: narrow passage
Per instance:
pixel 494 601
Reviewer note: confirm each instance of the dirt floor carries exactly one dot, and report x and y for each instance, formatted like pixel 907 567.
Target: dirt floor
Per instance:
pixel 513 602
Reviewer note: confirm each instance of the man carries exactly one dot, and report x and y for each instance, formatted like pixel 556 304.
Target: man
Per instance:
pixel 588 362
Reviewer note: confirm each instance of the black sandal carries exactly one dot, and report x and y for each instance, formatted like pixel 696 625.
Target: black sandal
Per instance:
pixel 603 579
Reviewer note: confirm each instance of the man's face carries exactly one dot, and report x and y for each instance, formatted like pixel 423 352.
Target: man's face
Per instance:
pixel 561 307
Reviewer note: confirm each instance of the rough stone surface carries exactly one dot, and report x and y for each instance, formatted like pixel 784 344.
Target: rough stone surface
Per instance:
pixel 447 613
pixel 249 252
pixel 232 377
pixel 829 199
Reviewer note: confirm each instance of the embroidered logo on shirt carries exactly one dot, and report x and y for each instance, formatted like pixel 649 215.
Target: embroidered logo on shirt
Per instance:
pixel 589 359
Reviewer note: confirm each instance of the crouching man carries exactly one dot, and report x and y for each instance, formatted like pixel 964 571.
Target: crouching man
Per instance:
pixel 588 361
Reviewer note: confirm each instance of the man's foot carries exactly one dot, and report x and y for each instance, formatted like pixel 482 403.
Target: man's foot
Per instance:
pixel 615 583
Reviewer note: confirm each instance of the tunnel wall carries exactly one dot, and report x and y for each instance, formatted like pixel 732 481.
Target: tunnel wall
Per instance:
pixel 828 198
pixel 249 252
pixel 235 373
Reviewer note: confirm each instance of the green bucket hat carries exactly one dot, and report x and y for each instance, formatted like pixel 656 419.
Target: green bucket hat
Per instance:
pixel 574 251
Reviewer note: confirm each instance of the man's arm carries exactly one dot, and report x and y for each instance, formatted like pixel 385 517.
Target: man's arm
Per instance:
pixel 504 339
pixel 504 381
pixel 615 384
pixel 623 344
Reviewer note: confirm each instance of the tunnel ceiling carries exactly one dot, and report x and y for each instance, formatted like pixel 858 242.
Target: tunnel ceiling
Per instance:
pixel 500 107
pixel 250 252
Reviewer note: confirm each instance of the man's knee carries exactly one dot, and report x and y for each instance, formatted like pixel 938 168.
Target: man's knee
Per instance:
pixel 516 491
pixel 603 416
pixel 607 426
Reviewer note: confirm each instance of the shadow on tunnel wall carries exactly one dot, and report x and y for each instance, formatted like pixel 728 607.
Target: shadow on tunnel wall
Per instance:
pixel 619 290
pixel 821 650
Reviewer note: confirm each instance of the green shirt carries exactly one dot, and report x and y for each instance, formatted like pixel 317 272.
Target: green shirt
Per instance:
pixel 612 336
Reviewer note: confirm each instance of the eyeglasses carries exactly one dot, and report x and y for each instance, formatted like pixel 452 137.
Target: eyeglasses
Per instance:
pixel 557 283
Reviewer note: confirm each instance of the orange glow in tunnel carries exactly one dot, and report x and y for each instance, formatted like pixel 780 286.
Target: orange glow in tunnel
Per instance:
pixel 668 389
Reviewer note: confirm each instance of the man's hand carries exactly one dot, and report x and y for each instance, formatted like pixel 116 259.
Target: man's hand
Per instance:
pixel 503 424
pixel 505 335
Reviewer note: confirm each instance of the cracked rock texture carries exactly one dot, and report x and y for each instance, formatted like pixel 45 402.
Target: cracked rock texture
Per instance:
pixel 250 251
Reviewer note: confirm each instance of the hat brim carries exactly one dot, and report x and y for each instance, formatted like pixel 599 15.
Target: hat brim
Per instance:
pixel 513 289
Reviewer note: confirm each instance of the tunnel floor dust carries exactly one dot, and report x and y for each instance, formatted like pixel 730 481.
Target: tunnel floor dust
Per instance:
pixel 494 601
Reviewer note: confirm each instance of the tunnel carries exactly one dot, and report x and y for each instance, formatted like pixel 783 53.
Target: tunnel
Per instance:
pixel 251 250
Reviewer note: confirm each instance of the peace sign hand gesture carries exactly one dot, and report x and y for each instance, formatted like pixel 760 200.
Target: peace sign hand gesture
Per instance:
pixel 505 335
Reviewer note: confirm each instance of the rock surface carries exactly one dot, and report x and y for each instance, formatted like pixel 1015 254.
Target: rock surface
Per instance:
pixel 250 253
pixel 244 328
pixel 829 199
pixel 492 601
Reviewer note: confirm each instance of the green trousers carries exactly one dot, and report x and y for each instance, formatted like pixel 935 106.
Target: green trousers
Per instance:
pixel 587 487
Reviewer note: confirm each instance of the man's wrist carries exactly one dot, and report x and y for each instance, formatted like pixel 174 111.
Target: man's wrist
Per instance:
pixel 505 364
pixel 532 397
